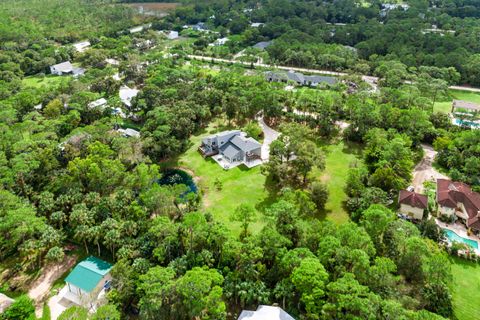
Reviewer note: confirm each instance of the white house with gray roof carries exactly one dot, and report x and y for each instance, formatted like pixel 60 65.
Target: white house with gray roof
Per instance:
pixel 66 67
pixel 232 148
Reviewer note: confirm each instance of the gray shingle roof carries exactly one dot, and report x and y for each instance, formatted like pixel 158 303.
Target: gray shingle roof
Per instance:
pixel 64 67
pixel 245 144
pixel 320 79
pixel 262 45
pixel 230 150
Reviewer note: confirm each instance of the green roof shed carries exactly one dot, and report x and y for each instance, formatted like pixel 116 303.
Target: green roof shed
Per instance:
pixel 87 274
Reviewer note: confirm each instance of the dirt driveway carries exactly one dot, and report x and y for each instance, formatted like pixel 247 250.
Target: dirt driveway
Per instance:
pixel 40 289
pixel 424 171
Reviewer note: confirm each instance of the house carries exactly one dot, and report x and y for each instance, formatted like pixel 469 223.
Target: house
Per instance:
pixel 119 112
pixel 127 133
pixel 140 28
pixel 262 45
pixel 232 148
pixel 461 106
pixel 66 67
pixel 299 78
pixel 458 201
pixel 256 24
pixel 86 281
pixel 412 204
pixel 265 313
pixel 81 46
pixel 113 62
pixel 200 27
pixel 219 42
pixel 126 95
pixel 172 35
pixel 5 302
pixel 100 103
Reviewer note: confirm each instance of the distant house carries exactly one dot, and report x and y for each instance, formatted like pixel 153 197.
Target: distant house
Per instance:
pixel 464 106
pixel 86 281
pixel 386 7
pixel 412 204
pixel 232 148
pixel 262 45
pixel 5 302
pixel 299 78
pixel 200 27
pixel 66 68
pixel 265 313
pixel 140 28
pixel 126 95
pixel 75 141
pixel 113 62
pixel 256 24
pixel 457 200
pixel 81 46
pixel 172 35
pixel 129 132
pixel 38 107
pixel 219 42
pixel 100 103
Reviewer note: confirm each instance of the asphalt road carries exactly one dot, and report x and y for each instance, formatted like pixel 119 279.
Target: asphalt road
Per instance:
pixel 369 79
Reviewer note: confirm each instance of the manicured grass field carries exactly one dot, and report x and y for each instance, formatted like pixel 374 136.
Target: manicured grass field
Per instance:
pixel 338 159
pixel 37 82
pixel 466 289
pixel 239 185
pixel 446 106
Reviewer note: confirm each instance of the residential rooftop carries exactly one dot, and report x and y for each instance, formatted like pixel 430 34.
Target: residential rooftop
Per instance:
pixel 87 274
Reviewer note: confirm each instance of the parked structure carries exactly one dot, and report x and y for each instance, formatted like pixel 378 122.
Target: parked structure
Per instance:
pixel 66 67
pixel 86 281
pixel 412 204
pixel 172 35
pixel 458 201
pixel 232 148
pixel 265 313
pixel 219 42
pixel 299 78
pixel 256 24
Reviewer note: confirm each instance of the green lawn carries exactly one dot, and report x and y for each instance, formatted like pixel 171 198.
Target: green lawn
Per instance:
pixel 37 82
pixel 338 158
pixel 466 289
pixel 446 106
pixel 239 185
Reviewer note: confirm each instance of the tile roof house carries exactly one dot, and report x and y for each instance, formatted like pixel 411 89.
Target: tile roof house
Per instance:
pixel 412 204
pixel 66 67
pixel 458 200
pixel 231 148
pixel 265 313
pixel 86 281
pixel 299 78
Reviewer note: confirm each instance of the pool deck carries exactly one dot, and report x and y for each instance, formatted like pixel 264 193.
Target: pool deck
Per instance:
pixel 459 229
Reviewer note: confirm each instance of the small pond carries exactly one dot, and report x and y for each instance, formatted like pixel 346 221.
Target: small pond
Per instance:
pixel 176 176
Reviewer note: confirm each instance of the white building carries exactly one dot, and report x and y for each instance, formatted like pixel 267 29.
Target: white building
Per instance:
pixel 126 95
pixel 66 67
pixel 265 313
pixel 81 46
pixel 100 103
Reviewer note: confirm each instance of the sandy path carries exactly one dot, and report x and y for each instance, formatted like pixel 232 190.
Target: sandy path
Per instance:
pixel 424 171
pixel 40 289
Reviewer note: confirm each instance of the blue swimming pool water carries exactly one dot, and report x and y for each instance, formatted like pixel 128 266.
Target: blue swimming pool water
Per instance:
pixel 452 236
pixel 468 123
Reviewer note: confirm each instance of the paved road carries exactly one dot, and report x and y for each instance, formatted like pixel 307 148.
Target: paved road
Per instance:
pixel 369 79
pixel 424 171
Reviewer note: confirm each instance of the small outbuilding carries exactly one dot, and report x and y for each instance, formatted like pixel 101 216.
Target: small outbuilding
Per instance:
pixel 265 313
pixel 412 204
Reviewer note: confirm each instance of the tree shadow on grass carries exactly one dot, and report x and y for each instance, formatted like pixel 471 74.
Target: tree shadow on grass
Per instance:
pixel 273 194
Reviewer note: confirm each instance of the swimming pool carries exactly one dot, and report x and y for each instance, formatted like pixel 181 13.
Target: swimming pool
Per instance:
pixel 452 236
pixel 467 123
